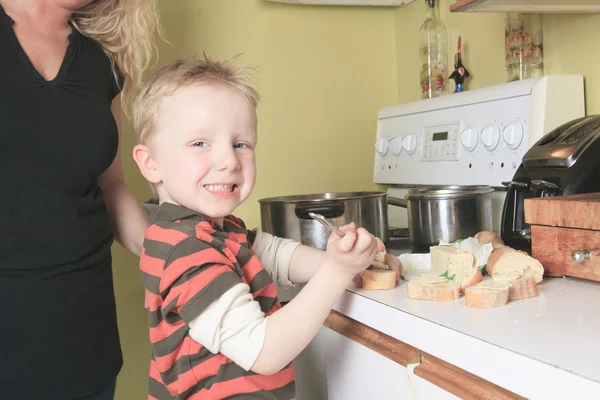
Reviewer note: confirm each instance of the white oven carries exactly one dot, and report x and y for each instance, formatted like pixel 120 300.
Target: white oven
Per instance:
pixel 476 137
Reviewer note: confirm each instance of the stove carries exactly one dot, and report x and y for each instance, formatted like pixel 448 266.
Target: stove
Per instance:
pixel 399 243
pixel 399 246
pixel 477 137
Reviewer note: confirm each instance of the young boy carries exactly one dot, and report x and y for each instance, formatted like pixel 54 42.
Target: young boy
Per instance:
pixel 216 326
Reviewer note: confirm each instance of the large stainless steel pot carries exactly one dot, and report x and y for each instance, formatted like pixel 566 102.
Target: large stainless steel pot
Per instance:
pixel 443 212
pixel 446 212
pixel 287 216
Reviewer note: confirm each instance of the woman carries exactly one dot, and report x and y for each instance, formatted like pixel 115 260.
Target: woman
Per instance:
pixel 64 65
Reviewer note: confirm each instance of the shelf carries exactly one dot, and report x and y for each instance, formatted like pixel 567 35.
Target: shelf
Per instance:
pixel 378 3
pixel 526 6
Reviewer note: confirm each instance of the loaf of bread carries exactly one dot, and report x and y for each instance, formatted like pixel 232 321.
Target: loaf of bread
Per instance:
pixel 489 237
pixel 520 287
pixel 378 279
pixel 433 288
pixel 508 262
pixel 456 264
pixel 487 294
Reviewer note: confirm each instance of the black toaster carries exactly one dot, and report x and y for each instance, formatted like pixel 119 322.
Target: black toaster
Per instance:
pixel 564 161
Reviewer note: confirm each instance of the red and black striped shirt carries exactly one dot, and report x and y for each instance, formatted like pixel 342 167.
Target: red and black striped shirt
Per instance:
pixel 188 262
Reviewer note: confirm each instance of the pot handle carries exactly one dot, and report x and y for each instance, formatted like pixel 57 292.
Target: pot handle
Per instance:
pixel 328 210
pixel 398 202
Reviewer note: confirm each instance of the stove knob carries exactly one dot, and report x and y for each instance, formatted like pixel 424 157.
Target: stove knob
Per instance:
pixel 490 137
pixel 395 146
pixel 468 138
pixel 381 146
pixel 409 143
pixel 513 135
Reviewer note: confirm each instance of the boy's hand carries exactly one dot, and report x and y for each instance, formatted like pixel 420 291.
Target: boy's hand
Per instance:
pixel 392 262
pixel 353 253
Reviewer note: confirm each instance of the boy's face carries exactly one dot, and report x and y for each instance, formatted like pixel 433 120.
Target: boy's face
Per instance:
pixel 204 149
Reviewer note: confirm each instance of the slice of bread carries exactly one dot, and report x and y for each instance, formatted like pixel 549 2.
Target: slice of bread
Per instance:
pixel 378 279
pixel 433 288
pixel 457 264
pixel 507 261
pixel 488 237
pixel 520 288
pixel 487 294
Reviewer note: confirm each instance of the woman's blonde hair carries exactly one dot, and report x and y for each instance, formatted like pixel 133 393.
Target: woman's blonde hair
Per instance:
pixel 126 31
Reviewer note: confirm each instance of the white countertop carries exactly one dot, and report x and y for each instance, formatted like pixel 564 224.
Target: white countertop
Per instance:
pixel 545 347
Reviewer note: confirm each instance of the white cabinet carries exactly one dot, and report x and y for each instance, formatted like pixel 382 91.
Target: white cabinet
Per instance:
pixel 365 363
pixel 355 372
pixel 309 366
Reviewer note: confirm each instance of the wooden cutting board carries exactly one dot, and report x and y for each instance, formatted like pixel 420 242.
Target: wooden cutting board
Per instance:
pixel 575 211
pixel 565 234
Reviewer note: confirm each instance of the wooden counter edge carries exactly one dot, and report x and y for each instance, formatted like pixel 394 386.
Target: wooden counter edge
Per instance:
pixel 438 372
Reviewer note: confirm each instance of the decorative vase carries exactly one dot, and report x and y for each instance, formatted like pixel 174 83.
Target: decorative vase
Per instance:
pixel 523 46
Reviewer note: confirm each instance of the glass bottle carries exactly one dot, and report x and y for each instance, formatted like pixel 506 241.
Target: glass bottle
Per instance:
pixel 434 53
pixel 523 45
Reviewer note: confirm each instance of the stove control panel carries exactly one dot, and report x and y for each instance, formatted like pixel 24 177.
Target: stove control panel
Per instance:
pixel 441 143
pixel 475 137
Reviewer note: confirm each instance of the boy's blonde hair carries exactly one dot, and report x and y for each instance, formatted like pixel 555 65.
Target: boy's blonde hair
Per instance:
pixel 180 74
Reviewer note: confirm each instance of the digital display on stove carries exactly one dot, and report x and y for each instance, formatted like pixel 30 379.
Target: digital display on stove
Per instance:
pixel 440 136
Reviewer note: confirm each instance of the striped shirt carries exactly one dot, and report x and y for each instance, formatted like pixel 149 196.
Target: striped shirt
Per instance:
pixel 188 262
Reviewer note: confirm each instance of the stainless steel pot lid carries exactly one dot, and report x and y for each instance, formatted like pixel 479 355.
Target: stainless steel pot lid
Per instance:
pixel 318 197
pixel 448 192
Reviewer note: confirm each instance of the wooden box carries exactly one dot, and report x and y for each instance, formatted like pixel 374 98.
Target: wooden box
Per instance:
pixel 565 234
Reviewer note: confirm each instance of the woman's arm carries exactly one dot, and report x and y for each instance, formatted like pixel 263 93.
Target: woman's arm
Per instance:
pixel 126 216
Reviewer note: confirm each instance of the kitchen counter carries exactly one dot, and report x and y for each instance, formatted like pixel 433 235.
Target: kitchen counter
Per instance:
pixel 545 347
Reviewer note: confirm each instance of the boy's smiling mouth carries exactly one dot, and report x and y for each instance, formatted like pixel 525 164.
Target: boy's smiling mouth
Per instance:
pixel 221 188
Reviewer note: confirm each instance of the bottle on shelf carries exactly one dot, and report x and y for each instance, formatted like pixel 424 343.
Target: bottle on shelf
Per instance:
pixel 434 53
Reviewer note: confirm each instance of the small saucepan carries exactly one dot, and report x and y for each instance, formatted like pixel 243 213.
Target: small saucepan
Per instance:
pixel 446 212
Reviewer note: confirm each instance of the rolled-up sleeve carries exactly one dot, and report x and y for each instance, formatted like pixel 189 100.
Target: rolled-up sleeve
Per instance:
pixel 233 325
pixel 275 254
